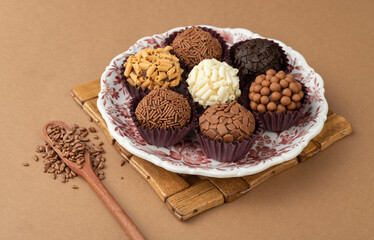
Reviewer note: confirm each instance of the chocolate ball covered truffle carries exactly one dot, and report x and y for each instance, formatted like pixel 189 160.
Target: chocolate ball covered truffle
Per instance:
pixel 227 122
pixel 256 56
pixel 275 92
pixel 193 45
pixel 163 108
pixel 153 68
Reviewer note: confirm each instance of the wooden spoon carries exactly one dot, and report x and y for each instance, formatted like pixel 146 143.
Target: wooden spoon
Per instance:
pixel 89 175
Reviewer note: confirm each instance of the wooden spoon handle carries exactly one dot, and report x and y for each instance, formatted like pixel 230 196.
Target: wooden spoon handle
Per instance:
pixel 89 175
pixel 113 206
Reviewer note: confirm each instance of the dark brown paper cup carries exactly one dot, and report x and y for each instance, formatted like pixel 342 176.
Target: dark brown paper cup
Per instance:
pixel 225 152
pixel 243 99
pixel 197 109
pixel 158 137
pixel 277 122
pixel 249 78
pixel 133 91
pixel 225 47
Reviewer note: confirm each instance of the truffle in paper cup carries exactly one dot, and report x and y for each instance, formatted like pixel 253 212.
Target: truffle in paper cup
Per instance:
pixel 213 82
pixel 261 64
pixel 150 69
pixel 225 48
pixel 277 122
pixel 158 137
pixel 226 151
pixel 274 121
pixel 133 91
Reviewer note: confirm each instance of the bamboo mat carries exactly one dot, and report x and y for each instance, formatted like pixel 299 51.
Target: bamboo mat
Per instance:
pixel 188 195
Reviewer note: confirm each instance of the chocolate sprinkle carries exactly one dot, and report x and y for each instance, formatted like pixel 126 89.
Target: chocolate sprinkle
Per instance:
pixel 163 108
pixel 255 56
pixel 193 45
pixel 227 122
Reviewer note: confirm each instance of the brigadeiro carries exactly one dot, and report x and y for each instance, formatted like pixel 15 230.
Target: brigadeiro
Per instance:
pixel 277 98
pixel 192 45
pixel 227 131
pixel 212 82
pixel 163 117
pixel 254 57
pixel 151 69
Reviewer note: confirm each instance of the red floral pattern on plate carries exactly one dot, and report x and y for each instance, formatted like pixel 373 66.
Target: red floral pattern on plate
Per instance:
pixel 187 157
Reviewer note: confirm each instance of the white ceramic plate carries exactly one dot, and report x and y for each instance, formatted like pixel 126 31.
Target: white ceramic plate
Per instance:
pixel 187 157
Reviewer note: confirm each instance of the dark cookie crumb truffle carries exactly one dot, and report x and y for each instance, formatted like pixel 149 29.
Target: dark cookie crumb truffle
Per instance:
pixel 163 108
pixel 256 56
pixel 227 122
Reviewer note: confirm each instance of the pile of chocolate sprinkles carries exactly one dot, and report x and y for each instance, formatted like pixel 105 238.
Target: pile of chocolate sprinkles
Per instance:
pixel 72 143
pixel 194 45
pixel 163 108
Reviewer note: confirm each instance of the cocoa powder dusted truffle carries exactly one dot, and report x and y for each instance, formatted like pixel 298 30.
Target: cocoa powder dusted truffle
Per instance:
pixel 193 45
pixel 275 92
pixel 163 108
pixel 255 56
pixel 227 122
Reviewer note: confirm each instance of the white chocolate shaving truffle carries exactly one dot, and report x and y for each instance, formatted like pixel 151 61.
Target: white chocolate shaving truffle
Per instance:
pixel 213 82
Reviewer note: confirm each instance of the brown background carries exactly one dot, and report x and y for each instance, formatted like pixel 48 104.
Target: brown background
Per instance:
pixel 47 47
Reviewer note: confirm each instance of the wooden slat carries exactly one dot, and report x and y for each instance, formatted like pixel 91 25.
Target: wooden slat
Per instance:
pixel 91 108
pixel 309 151
pixel 256 179
pixel 87 91
pixel 124 153
pixel 184 176
pixel 192 179
pixel 165 183
pixel 77 99
pixel 231 188
pixel 194 200
pixel 336 127
pixel 106 132
pixel 188 195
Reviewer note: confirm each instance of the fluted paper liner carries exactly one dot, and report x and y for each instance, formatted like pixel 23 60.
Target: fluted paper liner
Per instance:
pixel 133 91
pixel 225 152
pixel 245 79
pixel 277 122
pixel 225 47
pixel 158 137
pixel 138 91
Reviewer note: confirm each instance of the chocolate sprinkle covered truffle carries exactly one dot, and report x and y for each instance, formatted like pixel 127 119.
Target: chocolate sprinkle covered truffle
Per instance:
pixel 227 122
pixel 255 56
pixel 275 92
pixel 193 45
pixel 163 108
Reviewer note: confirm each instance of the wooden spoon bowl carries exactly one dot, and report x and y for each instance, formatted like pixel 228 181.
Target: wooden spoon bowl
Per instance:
pixel 89 175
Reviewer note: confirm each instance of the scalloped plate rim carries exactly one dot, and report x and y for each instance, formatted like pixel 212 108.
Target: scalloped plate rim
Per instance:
pixel 237 172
